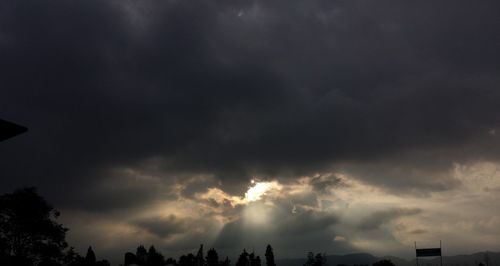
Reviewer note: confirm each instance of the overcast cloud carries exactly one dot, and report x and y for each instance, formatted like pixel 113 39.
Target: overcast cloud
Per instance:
pixel 377 121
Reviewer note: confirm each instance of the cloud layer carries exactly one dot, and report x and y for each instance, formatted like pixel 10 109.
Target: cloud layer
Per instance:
pixel 139 110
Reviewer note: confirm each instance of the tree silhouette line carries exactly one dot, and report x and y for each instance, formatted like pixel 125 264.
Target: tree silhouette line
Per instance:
pixel 31 236
pixel 155 258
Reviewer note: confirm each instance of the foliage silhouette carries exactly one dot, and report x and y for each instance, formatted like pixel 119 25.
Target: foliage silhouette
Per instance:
pixel 29 233
pixel 269 256
pixel 243 259
pixel 141 255
pixel 130 258
pixel 170 261
pixel 200 261
pixel 187 260
pixel 254 260
pixel 154 258
pixel 226 262
pixel 212 258
pixel 320 259
pixel 102 263
pixel 315 260
pixel 90 257
pixel 72 258
pixel 310 259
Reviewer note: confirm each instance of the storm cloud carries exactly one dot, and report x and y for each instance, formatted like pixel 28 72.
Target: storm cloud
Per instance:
pixel 131 104
pixel 376 219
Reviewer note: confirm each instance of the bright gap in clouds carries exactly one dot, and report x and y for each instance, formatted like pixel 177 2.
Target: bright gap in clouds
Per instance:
pixel 258 189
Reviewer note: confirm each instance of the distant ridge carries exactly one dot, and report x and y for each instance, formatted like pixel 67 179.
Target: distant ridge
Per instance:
pixel 368 259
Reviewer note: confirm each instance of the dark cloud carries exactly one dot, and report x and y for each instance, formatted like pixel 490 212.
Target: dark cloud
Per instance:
pixel 378 218
pixel 418 173
pixel 241 88
pixel 324 184
pixel 165 227
pixel 306 222
pixel 392 93
pixel 104 198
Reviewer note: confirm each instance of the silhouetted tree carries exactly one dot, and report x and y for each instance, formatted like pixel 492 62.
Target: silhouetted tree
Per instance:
pixel 226 262
pixel 320 259
pixel 212 258
pixel 102 263
pixel 315 260
pixel 154 258
pixel 48 262
pixel 200 261
pixel 258 261
pixel 383 263
pixel 130 258
pixel 29 233
pixel 187 260
pixel 251 258
pixel 243 259
pixel 72 258
pixel 269 256
pixel 254 260
pixel 141 255
pixel 4 255
pixel 170 261
pixel 90 257
pixel 310 259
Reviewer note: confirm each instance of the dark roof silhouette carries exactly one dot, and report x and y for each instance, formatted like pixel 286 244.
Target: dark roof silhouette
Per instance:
pixel 9 130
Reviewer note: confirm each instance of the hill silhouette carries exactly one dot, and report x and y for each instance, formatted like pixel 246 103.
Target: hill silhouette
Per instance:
pixel 369 259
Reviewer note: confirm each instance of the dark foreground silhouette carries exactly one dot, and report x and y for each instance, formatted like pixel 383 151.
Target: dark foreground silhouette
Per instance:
pixel 9 129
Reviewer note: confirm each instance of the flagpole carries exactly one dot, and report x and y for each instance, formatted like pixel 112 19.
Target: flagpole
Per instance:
pixel 416 257
pixel 440 252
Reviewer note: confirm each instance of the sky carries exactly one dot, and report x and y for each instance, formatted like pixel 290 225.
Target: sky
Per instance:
pixel 333 126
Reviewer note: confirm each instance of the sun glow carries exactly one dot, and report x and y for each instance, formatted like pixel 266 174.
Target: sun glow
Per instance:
pixel 259 189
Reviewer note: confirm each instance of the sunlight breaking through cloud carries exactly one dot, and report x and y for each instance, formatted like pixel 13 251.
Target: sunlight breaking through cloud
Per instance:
pixel 259 189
